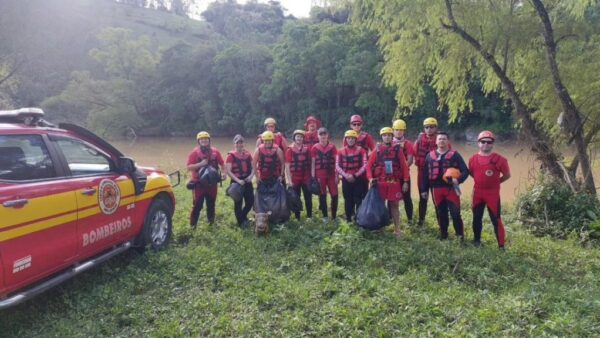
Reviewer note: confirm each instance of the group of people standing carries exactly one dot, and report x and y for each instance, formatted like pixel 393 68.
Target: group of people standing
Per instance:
pixel 312 162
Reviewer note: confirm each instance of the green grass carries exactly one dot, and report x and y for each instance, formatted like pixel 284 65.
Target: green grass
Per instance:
pixel 307 279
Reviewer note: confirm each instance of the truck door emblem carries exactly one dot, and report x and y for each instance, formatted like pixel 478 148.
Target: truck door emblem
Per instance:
pixel 109 196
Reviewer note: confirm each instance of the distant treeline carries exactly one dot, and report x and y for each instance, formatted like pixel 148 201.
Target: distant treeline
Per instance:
pixel 121 69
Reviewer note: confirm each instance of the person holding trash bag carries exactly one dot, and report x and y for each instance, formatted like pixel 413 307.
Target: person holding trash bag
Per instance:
pixel 489 170
pixel 238 166
pixel 204 158
pixel 445 170
pixel 268 159
pixel 268 162
pixel 351 164
pixel 388 170
pixel 399 127
pixel 311 126
pixel 323 169
pixel 297 170
pixel 278 138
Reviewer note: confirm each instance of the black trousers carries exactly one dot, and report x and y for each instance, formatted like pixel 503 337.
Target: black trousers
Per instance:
pixel 408 203
pixel 197 207
pixel 243 207
pixel 353 192
pixel 442 215
pixel 323 205
pixel 303 188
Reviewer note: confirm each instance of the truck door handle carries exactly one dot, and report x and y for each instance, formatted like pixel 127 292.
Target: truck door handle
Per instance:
pixel 89 191
pixel 15 203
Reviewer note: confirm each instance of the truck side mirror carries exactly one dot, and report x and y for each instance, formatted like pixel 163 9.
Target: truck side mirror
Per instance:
pixel 126 165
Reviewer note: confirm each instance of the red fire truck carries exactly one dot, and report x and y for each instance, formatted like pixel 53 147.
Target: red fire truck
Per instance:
pixel 69 201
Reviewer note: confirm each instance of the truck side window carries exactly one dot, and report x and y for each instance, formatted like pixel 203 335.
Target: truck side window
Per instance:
pixel 82 158
pixel 24 158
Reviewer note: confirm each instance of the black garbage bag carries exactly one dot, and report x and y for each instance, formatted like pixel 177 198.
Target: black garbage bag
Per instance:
pixel 209 176
pixel 271 197
pixel 191 185
pixel 235 191
pixel 293 200
pixel 372 213
pixel 314 187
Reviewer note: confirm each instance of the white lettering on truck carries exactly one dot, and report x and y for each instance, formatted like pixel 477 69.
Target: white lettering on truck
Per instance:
pixel 106 231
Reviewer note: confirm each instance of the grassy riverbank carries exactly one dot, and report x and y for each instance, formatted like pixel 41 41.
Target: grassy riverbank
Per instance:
pixel 315 280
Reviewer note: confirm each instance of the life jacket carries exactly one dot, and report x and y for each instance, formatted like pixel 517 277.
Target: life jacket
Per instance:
pixel 277 141
pixel 211 155
pixel 438 166
pixel 242 164
pixel 351 159
pixel 384 154
pixel 404 142
pixel 268 162
pixel 325 160
pixel 300 159
pixel 423 146
pixel 311 138
pixel 361 141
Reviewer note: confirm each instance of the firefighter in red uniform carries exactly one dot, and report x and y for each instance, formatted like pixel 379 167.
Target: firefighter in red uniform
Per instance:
pixel 489 170
pixel 297 169
pixel 387 168
pixel 351 164
pixel 311 126
pixel 425 143
pixel 268 160
pixel 445 170
pixel 238 167
pixel 202 156
pixel 278 138
pixel 407 146
pixel 323 169
pixel 364 140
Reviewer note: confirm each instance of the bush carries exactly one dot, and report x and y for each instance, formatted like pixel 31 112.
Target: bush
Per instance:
pixel 550 207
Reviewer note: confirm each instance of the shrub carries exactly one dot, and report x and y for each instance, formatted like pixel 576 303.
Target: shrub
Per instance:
pixel 550 207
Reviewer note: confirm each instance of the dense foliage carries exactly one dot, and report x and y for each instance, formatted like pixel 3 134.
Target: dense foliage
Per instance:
pixel 307 279
pixel 148 72
pixel 535 53
pixel 549 207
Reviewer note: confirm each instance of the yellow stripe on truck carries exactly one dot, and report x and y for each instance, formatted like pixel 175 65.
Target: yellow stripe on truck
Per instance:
pixel 38 208
pixel 37 226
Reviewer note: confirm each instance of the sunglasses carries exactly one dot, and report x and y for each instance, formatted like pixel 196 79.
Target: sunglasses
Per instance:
pixel 430 127
pixel 356 124
pixel 322 133
pixel 486 142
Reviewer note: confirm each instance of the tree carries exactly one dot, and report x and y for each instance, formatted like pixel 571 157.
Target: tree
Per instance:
pixel 535 53
pixel 116 103
pixel 329 70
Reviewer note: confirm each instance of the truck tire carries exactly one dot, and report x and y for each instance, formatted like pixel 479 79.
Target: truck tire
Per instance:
pixel 158 226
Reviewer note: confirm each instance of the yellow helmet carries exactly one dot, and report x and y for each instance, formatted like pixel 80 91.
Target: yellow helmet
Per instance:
pixel 386 130
pixel 270 120
pixel 298 131
pixel 399 125
pixel 351 133
pixel 267 136
pixel 202 134
pixel 430 121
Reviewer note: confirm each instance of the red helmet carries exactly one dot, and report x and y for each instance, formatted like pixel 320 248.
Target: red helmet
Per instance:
pixel 312 119
pixel 485 134
pixel 356 118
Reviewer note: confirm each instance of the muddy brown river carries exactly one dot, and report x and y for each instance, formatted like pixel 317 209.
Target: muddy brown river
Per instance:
pixel 170 154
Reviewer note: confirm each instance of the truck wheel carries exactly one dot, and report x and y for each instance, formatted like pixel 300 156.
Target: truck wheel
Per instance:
pixel 158 225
